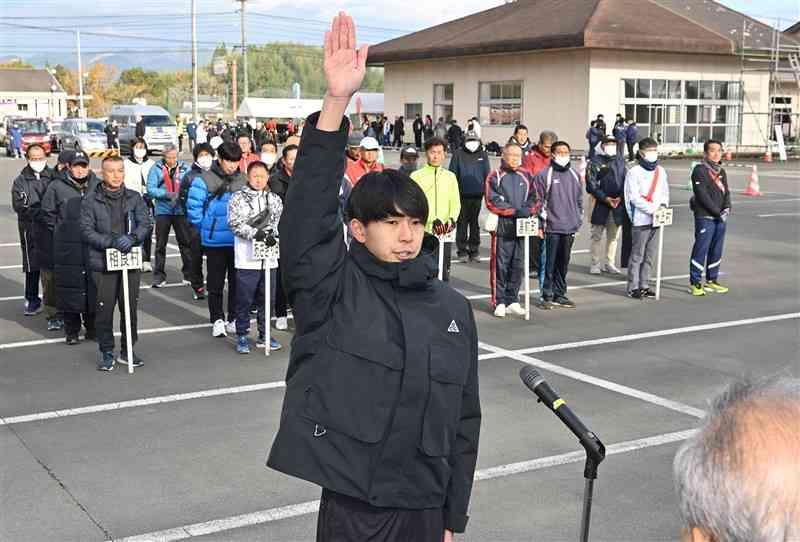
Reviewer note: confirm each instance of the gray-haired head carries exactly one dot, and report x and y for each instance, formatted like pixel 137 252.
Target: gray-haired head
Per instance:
pixel 548 136
pixel 169 147
pixel 738 477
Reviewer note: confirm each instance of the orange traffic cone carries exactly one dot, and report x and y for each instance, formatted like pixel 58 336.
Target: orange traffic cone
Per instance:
pixel 582 169
pixel 752 187
pixel 768 156
pixel 728 155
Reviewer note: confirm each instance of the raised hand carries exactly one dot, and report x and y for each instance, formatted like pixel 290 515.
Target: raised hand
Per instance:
pixel 344 64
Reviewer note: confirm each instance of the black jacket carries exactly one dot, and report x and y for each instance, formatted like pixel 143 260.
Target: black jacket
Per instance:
pixel 708 200
pixel 417 126
pixel 140 129
pixel 95 223
pixel 605 177
pixel 381 396
pixel 61 210
pixel 26 200
pixel 279 181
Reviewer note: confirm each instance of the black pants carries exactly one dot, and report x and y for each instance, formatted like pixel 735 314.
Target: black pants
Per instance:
pixel 534 253
pixel 32 285
pixel 559 249
pixel 448 257
pixel 196 251
pixel 506 269
pixel 110 295
pixel 627 240
pixel 345 519
pixel 418 140
pixel 281 302
pixel 250 291
pixel 73 321
pixel 164 223
pixel 631 154
pixel 180 143
pixel 398 141
pixel 220 264
pixel 468 234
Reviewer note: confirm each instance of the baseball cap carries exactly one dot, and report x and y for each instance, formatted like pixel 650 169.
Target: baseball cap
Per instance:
pixel 409 151
pixel 354 141
pixel 471 136
pixel 79 158
pixel 369 144
pixel 65 156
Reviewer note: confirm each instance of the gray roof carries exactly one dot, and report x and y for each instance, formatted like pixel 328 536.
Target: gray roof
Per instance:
pixel 27 80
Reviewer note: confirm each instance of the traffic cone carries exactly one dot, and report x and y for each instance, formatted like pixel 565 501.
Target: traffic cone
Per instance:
pixel 688 185
pixel 582 169
pixel 768 156
pixel 752 187
pixel 728 155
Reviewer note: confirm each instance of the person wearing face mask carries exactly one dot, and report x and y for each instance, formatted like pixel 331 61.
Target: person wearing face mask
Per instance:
pixel 61 212
pixel 605 182
pixel 408 160
pixel 511 193
pixel 470 164
pixel 137 170
pixel 26 200
pixel 203 158
pixel 269 155
pixel 646 190
pixel 279 181
pixel 562 215
pixel 207 209
pixel 711 204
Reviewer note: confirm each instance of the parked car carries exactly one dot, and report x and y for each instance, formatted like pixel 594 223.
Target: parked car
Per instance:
pixel 33 131
pixel 86 135
pixel 160 128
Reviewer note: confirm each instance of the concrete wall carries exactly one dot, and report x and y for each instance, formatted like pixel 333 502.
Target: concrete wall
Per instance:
pixel 555 89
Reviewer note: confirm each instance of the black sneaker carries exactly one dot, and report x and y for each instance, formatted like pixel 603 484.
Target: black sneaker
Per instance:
pixel 123 359
pixel 54 324
pixel 106 361
pixel 647 292
pixel 564 302
pixel 474 258
pixel 72 340
pixel 635 294
pixel 545 304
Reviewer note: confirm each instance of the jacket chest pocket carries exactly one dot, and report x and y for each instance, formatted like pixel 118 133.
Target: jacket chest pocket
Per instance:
pixel 447 369
pixel 356 388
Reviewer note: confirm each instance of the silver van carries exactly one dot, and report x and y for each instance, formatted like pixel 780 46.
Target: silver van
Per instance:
pixel 87 135
pixel 160 129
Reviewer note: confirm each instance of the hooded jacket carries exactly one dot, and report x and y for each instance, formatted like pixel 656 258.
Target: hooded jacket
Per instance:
pixel 243 206
pixel 27 191
pixel 471 169
pixel 207 205
pixel 158 188
pixel 605 177
pixel 375 380
pixel 441 189
pixel 511 194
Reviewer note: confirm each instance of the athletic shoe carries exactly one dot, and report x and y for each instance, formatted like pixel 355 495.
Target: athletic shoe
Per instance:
pixel 123 359
pixel 160 284
pixel 254 309
pixel 715 287
pixel 242 345
pixel 564 301
pixel 218 330
pixel 500 311
pixel 185 282
pixel 462 257
pixel 261 342
pixel 199 294
pixel 545 304
pixel 474 258
pixel 33 307
pixel 230 327
pixel 516 309
pixel 647 292
pixel 281 323
pixel 634 294
pixel 72 340
pixel 696 290
pixel 274 345
pixel 54 324
pixel 595 270
pixel 106 362
pixel 147 267
pixel 613 269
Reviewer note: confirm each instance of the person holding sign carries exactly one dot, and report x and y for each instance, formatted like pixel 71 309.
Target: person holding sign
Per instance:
pixel 382 405
pixel 444 199
pixel 253 214
pixel 510 194
pixel 113 216
pixel 646 191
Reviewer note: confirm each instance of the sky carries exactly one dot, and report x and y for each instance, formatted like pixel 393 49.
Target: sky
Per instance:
pixel 163 26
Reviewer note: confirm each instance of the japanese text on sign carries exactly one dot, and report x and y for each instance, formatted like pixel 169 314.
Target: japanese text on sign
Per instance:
pixel 662 217
pixel 117 261
pixel 527 227
pixel 270 254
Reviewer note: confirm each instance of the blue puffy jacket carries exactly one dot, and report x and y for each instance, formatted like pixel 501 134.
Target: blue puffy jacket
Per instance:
pixel 207 205
pixel 157 189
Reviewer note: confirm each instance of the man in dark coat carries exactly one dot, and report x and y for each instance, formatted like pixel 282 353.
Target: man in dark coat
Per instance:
pixel 471 166
pixel 399 132
pixel 140 127
pixel 381 406
pixel 605 182
pixel 61 209
pixel 113 216
pixel 417 127
pixel 26 195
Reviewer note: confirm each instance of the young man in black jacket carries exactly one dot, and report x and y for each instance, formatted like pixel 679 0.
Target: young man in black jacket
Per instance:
pixel 113 216
pixel 711 204
pixel 381 406
pixel 471 166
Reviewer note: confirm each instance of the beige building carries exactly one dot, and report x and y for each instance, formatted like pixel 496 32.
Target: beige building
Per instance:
pixel 678 68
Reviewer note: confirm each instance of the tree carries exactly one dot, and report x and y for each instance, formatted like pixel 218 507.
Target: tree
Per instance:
pixel 15 63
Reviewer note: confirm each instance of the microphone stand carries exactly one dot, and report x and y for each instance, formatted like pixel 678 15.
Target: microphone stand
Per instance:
pixel 595 453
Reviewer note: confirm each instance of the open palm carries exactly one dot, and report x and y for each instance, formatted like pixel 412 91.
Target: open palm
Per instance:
pixel 344 64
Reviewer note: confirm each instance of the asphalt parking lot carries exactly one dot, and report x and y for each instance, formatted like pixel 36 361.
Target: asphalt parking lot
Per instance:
pixel 176 451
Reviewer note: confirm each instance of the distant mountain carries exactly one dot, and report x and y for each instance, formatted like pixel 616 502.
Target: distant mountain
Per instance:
pixel 123 61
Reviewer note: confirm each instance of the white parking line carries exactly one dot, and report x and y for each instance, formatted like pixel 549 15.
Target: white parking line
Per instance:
pixel 142 287
pixel 20 265
pixel 778 214
pixel 272 515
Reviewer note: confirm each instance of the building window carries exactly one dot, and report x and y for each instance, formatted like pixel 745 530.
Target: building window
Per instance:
pixel 22 107
pixel 500 103
pixel 412 110
pixel 443 102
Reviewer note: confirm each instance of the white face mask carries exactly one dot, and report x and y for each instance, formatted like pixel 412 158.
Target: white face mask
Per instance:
pixel 38 165
pixel 269 158
pixel 205 162
pixel 139 152
pixel 611 150
pixel 651 156
pixel 472 146
pixel 562 161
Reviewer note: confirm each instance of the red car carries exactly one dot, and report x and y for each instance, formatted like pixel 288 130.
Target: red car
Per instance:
pixel 33 131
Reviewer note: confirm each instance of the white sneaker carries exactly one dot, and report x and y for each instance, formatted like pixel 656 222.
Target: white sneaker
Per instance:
pixel 281 323
pixel 595 270
pixel 230 327
pixel 219 329
pixel 500 311
pixel 516 309
pixel 147 267
pixel 611 268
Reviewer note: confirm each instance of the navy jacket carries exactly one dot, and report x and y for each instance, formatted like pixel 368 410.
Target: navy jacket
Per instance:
pixel 471 170
pixel 606 178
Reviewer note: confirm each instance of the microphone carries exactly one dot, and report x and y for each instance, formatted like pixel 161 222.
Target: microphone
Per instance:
pixel 595 451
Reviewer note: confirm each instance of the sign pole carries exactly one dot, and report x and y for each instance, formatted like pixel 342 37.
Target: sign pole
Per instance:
pixel 658 266
pixel 441 256
pixel 267 306
pixel 526 241
pixel 128 337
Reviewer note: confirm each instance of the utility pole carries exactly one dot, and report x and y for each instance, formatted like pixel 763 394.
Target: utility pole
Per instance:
pixel 81 111
pixel 195 116
pixel 234 88
pixel 244 50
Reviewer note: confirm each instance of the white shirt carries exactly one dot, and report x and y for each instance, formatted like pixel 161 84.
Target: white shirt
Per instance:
pixel 637 185
pixel 136 174
pixel 201 135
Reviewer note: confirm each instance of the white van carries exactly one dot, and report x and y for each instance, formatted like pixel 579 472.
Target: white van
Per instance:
pixel 160 129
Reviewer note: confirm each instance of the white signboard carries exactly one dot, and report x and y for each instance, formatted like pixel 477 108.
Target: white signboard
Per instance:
pixel 448 237
pixel 527 227
pixel 117 261
pixel 662 217
pixel 271 254
pixel 781 143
